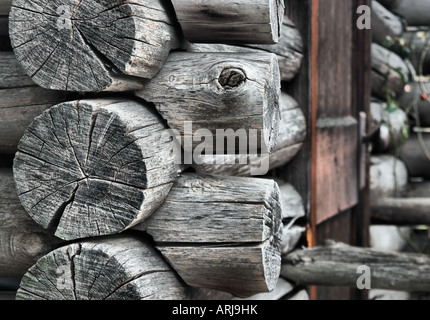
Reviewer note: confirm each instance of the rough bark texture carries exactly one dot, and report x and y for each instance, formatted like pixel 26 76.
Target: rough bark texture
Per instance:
pixel 117 268
pixel 21 100
pixel 210 91
pixel 94 167
pixel 225 21
pixel 22 241
pixel 289 49
pixel 389 72
pixel 91 45
pixel 292 133
pixel 335 264
pixel 221 233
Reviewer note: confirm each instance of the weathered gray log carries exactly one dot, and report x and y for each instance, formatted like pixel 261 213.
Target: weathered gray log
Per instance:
pixel 417 105
pixel 91 45
pixel 225 21
pixel 336 264
pixel 389 73
pixel 393 126
pixel 384 24
pixel 388 176
pixel 221 233
pixel 116 268
pixel 292 133
pixel 21 100
pixel 200 93
pixel 419 41
pixel 402 211
pixel 414 11
pixel 22 241
pixel 94 167
pixel 415 153
pixel 289 49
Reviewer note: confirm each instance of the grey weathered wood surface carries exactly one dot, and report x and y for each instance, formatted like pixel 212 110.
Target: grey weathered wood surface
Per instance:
pixel 237 91
pixel 225 21
pixel 21 100
pixel 291 135
pixel 384 24
pixel 414 11
pixel 92 45
pixel 220 232
pixel 387 71
pixel 388 176
pixel 94 167
pixel 415 153
pixel 416 106
pixel 419 41
pixel 116 268
pixel 22 241
pixel 289 49
pixel 402 211
pixel 335 264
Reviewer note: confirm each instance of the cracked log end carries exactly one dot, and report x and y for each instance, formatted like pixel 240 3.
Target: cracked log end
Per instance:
pixel 94 167
pixel 134 269
pixel 91 46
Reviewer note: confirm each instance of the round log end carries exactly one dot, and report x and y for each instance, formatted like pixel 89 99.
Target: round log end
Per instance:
pixel 134 270
pixel 94 167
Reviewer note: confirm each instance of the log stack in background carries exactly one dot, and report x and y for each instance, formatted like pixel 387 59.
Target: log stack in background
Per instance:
pixel 97 175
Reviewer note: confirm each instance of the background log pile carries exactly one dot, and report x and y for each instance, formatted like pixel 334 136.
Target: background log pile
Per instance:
pixel 95 204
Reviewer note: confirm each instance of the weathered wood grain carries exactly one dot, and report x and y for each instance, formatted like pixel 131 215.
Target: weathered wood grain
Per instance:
pixel 94 167
pixel 228 92
pixel 415 153
pixel 415 12
pixel 291 135
pixel 388 176
pixel 289 49
pixel 116 268
pixel 384 24
pixel 220 232
pixel 389 73
pixel 91 45
pixel 21 100
pixel 402 211
pixel 224 21
pixel 22 241
pixel 335 264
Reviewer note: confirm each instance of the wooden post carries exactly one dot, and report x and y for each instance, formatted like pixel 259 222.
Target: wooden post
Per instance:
pixel 289 49
pixel 292 133
pixel 224 21
pixel 117 268
pixel 94 167
pixel 336 264
pixel 22 241
pixel 92 46
pixel 200 93
pixel 415 153
pixel 21 101
pixel 221 233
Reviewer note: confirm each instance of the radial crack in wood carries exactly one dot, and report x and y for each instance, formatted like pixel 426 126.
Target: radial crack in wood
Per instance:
pixel 91 45
pixel 94 167
pixel 116 268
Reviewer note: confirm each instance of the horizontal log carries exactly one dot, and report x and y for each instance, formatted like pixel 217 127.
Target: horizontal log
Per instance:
pixel 21 101
pixel 94 167
pixel 402 211
pixel 415 104
pixel 289 49
pixel 389 73
pixel 200 93
pixel 419 42
pixel 92 46
pixel 335 264
pixel 221 233
pixel 117 268
pixel 291 136
pixel 415 153
pixel 415 12
pixel 224 21
pixel 22 241
pixel 388 176
pixel 385 24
